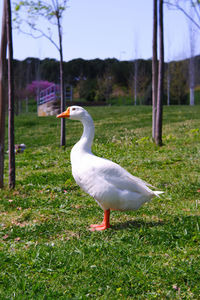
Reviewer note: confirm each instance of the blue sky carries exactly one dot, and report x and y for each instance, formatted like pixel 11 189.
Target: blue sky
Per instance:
pixel 108 28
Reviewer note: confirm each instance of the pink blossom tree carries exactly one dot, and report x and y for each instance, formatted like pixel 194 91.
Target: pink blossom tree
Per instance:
pixel 33 88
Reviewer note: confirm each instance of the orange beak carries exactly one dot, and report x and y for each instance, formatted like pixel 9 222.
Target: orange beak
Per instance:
pixel 64 114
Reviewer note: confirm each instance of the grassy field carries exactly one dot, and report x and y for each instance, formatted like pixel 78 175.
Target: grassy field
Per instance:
pixel 46 248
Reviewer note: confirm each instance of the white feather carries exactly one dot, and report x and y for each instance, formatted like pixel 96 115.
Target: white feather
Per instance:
pixel 108 183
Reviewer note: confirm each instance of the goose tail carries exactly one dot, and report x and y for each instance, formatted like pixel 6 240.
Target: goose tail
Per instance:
pixel 157 193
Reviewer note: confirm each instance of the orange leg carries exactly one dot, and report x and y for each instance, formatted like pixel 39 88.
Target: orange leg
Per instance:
pixel 105 224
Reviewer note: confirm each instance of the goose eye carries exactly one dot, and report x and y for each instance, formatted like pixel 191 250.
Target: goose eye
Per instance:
pixel 73 108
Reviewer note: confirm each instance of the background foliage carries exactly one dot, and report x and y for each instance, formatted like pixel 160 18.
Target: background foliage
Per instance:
pixel 104 80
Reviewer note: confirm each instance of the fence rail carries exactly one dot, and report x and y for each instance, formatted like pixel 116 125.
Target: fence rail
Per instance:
pixel 52 93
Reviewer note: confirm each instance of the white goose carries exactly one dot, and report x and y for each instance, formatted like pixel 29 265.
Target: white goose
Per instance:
pixel 109 184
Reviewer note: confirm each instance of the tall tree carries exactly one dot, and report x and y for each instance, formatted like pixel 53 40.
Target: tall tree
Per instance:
pixel 135 80
pixel 192 61
pixel 53 13
pixel 168 83
pixel 168 75
pixel 10 97
pixel 3 95
pixel 154 69
pixel 135 62
pixel 191 9
pixel 158 133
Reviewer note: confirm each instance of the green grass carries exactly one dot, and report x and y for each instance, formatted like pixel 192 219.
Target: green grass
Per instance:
pixel 46 248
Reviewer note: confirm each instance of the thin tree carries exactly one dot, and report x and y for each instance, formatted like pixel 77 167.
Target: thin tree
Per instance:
pixel 53 13
pixel 3 95
pixel 168 83
pixel 158 133
pixel 194 18
pixel 168 75
pixel 154 70
pixel 192 62
pixel 11 144
pixel 135 80
pixel 135 71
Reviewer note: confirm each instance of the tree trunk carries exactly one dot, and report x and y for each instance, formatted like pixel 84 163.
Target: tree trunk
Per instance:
pixel 135 80
pixel 191 96
pixel 10 99
pixel 62 93
pixel 154 70
pixel 3 95
pixel 192 59
pixel 158 136
pixel 192 78
pixel 168 84
pixel 62 99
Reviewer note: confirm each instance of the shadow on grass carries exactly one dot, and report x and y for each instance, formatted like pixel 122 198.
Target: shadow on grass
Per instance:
pixel 178 231
pixel 137 224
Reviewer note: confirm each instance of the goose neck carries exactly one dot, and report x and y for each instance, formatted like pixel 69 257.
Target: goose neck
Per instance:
pixel 88 133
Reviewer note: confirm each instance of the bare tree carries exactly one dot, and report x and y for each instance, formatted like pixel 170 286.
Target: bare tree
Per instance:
pixel 10 97
pixel 35 9
pixel 168 75
pixel 168 83
pixel 193 15
pixel 158 133
pixel 135 80
pixel 135 68
pixel 3 95
pixel 192 61
pixel 154 69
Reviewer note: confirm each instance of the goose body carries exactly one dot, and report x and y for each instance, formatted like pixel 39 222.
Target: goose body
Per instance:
pixel 108 183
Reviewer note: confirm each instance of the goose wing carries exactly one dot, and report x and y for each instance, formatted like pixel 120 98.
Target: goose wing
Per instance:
pixel 100 171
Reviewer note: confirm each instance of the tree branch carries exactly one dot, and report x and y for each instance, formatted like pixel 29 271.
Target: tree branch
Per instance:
pixel 55 5
pixel 195 8
pixel 177 6
pixel 36 9
pixel 42 34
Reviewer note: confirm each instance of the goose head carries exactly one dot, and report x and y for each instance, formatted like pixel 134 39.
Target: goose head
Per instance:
pixel 74 113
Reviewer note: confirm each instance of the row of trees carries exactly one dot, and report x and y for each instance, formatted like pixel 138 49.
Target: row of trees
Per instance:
pixel 100 80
